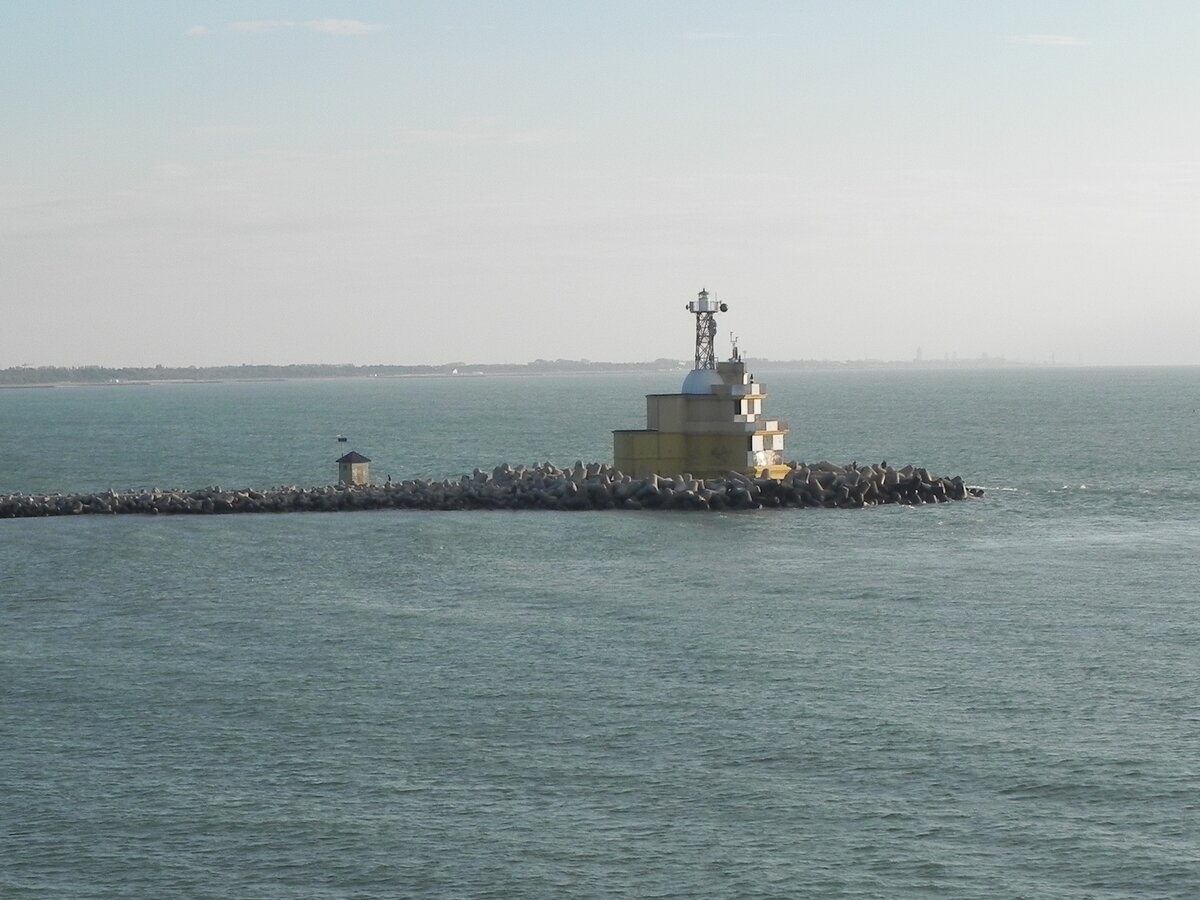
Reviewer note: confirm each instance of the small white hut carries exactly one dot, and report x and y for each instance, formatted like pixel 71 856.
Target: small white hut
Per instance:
pixel 354 468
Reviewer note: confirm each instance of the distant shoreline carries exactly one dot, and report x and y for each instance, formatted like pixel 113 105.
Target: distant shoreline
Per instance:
pixel 121 383
pixel 21 377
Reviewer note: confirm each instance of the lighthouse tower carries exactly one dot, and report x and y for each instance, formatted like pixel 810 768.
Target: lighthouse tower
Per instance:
pixel 714 425
pixel 706 328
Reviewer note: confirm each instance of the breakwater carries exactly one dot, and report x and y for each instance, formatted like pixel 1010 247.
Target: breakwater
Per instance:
pixel 582 487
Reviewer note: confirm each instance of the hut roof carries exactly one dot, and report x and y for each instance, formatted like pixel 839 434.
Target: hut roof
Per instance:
pixel 353 457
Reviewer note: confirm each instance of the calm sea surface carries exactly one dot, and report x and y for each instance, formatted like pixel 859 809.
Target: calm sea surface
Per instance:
pixel 991 699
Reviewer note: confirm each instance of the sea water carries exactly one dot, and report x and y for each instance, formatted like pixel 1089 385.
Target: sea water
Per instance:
pixel 994 698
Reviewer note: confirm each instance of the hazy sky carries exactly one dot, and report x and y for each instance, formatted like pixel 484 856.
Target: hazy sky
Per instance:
pixel 272 182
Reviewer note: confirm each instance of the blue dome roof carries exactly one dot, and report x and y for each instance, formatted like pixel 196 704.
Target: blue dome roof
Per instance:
pixel 701 381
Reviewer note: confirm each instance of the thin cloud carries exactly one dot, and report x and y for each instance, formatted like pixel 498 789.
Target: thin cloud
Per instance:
pixel 260 26
pixel 338 27
pixel 709 35
pixel 224 130
pixel 342 26
pixel 489 133
pixel 173 170
pixel 1050 40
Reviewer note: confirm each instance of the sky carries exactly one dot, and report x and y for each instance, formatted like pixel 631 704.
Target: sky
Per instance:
pixel 215 183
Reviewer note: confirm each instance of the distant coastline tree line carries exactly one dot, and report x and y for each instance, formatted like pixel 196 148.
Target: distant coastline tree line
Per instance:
pixel 44 375
pixel 18 375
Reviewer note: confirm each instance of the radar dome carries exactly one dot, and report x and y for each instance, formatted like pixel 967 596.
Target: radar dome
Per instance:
pixel 700 381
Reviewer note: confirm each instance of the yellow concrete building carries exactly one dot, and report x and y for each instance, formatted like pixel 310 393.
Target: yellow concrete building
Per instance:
pixel 354 468
pixel 714 425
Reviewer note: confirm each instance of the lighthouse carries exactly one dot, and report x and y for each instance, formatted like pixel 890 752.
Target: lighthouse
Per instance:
pixel 714 425
pixel 705 311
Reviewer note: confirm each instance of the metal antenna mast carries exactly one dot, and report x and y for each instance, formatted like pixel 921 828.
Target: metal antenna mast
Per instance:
pixel 705 311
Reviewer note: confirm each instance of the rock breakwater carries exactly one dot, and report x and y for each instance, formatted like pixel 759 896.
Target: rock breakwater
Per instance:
pixel 582 487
